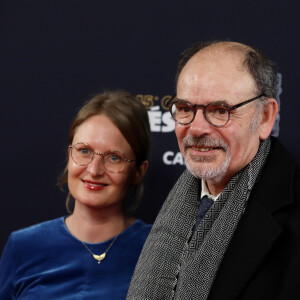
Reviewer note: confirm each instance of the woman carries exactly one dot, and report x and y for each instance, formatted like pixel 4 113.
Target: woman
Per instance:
pixel 91 254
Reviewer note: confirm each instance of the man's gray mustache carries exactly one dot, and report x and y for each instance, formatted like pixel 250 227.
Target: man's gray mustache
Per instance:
pixel 204 141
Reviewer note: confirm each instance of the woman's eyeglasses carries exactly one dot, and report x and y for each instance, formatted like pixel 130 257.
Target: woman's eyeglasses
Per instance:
pixel 113 161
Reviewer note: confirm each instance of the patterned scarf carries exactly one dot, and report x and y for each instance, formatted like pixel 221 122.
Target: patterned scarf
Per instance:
pixel 175 262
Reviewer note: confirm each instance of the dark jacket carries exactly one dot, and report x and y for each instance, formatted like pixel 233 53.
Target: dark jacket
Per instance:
pixel 262 261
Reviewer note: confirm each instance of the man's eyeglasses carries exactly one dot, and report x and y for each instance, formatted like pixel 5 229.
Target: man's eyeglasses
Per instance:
pixel 215 113
pixel 113 161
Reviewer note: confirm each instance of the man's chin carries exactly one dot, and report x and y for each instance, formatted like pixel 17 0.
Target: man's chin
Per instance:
pixel 206 170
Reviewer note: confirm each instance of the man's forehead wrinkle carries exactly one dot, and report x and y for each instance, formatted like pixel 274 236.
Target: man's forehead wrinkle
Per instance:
pixel 195 83
pixel 203 71
pixel 191 78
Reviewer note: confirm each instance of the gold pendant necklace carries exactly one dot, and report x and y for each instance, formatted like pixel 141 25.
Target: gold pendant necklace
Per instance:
pixel 100 257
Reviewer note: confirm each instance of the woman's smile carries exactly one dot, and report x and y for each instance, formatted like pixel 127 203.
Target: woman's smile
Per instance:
pixel 94 186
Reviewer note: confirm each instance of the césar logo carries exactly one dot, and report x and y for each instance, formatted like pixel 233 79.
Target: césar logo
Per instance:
pixel 159 116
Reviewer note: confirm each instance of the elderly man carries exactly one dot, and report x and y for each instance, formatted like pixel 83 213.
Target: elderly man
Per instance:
pixel 230 227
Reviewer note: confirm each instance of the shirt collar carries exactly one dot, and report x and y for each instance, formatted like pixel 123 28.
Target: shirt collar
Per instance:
pixel 205 191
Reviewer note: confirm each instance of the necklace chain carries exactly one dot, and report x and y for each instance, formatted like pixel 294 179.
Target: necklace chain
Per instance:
pixel 100 257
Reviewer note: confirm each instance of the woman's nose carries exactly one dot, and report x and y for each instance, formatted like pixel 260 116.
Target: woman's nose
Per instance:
pixel 96 167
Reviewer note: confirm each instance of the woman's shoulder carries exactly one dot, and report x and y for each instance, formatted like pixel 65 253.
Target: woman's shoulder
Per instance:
pixel 141 225
pixel 43 230
pixel 138 230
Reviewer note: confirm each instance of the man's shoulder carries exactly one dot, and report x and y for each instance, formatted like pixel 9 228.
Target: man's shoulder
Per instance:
pixel 280 153
pixel 280 162
pixel 279 183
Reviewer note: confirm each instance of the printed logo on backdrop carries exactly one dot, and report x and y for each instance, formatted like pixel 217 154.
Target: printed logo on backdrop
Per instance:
pixel 161 124
pixel 159 116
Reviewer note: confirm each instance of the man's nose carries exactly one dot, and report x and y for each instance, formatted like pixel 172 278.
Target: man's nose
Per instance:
pixel 200 125
pixel 96 167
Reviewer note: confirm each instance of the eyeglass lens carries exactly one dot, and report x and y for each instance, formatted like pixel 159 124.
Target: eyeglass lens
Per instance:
pixel 112 161
pixel 184 113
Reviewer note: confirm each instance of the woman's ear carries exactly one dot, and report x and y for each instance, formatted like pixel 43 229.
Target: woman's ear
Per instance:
pixel 268 119
pixel 140 172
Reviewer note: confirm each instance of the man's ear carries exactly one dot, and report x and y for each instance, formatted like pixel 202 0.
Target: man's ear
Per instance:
pixel 268 118
pixel 140 172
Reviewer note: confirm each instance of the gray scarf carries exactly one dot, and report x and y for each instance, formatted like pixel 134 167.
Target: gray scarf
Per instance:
pixel 176 264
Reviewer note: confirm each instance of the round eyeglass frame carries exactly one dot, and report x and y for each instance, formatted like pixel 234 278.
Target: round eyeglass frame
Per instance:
pixel 195 107
pixel 124 159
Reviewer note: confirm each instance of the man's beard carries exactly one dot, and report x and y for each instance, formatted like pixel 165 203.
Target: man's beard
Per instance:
pixel 193 162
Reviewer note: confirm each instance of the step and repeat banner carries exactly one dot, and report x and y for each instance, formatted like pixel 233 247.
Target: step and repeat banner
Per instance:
pixel 57 54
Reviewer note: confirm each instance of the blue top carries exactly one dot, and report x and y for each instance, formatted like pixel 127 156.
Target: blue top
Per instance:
pixel 45 261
